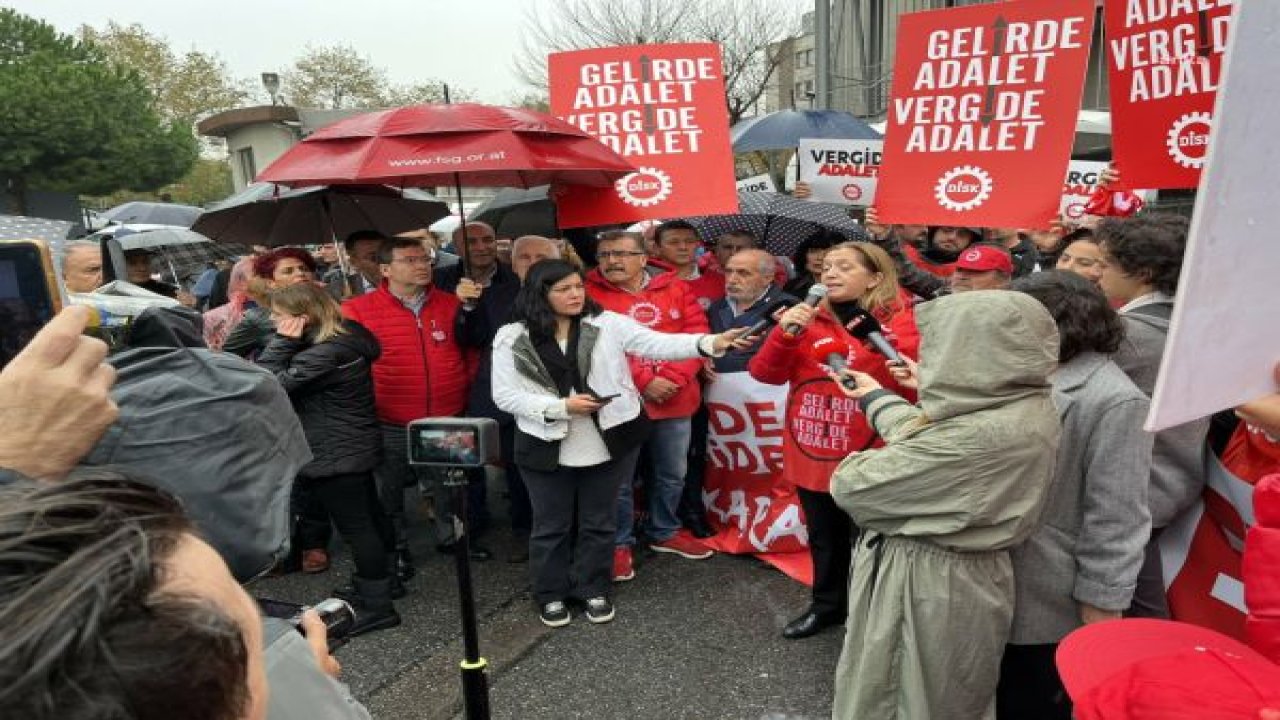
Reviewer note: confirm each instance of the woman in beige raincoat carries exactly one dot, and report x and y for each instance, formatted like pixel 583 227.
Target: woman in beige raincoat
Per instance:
pixel 961 479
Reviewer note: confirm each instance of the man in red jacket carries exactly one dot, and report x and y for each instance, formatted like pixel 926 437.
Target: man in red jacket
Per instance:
pixel 675 245
pixel 425 370
pixel 662 302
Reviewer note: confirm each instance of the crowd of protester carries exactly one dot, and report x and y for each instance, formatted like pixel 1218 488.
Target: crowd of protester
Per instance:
pixel 1002 493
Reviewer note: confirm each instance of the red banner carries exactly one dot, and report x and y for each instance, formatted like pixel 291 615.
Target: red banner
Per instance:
pixel 662 108
pixel 749 503
pixel 983 113
pixel 1165 62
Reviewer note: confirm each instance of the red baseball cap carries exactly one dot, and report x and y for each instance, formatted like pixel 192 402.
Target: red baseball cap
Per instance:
pixel 981 258
pixel 1138 669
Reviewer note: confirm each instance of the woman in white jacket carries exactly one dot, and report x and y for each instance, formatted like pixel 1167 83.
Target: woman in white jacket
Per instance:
pixel 561 370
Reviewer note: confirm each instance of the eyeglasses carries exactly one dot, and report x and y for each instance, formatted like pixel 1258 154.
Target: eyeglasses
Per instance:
pixel 607 254
pixel 420 260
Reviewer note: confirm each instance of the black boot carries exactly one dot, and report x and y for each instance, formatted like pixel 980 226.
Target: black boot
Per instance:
pixel 374 610
pixel 404 569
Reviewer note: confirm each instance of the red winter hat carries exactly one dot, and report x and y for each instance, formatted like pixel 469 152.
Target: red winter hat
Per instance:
pixel 1137 669
pixel 980 258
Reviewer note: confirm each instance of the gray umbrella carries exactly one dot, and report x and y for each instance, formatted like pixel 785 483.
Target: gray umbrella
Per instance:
pixel 780 221
pixel 184 253
pixel 152 213
pixel 269 214
pixel 514 212
pixel 21 227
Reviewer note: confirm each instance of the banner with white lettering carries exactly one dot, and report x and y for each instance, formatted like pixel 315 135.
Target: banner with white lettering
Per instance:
pixel 1165 64
pixel 983 113
pixel 841 171
pixel 757 183
pixel 749 502
pixel 662 108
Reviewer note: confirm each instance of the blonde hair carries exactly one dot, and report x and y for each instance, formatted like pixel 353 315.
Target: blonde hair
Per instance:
pixel 884 297
pixel 324 316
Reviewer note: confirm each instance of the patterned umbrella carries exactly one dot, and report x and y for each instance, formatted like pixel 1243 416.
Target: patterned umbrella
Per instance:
pixel 20 227
pixel 183 253
pixel 780 221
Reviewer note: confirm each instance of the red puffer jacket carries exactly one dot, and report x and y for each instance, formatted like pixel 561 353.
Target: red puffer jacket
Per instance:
pixel 823 425
pixel 423 371
pixel 1261 570
pixel 707 288
pixel 666 305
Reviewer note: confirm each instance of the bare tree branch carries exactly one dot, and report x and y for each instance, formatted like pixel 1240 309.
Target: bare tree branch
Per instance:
pixel 744 29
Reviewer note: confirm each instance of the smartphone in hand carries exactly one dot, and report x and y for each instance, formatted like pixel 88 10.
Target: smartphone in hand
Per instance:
pixel 605 399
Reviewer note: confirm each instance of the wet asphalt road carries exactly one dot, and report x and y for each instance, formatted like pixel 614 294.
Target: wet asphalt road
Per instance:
pixel 692 640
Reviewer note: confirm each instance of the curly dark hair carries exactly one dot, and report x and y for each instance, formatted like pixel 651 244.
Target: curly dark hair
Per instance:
pixel 1086 321
pixel 87 628
pixel 822 239
pixel 532 306
pixel 264 266
pixel 1148 246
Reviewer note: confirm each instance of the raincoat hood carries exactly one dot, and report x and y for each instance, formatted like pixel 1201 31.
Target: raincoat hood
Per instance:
pixel 983 349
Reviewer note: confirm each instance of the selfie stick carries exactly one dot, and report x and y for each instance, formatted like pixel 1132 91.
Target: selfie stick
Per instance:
pixel 475 681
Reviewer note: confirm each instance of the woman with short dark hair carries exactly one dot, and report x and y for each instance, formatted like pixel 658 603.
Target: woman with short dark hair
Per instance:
pixel 561 370
pixel 1081 563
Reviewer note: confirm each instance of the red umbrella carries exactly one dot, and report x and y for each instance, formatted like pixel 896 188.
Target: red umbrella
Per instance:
pixel 467 143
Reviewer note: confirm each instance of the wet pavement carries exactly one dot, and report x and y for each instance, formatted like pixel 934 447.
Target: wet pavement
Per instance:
pixel 692 639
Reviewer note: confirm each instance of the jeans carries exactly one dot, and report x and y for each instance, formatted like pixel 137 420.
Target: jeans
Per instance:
pixel 667 452
pixel 564 563
pixel 394 474
pixel 352 502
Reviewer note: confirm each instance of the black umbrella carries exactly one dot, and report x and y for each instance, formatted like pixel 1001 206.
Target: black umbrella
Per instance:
pixel 513 212
pixel 780 221
pixel 270 214
pixel 152 213
pixel 783 130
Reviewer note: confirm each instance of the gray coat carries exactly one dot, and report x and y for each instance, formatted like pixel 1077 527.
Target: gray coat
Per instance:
pixel 1089 544
pixel 1178 456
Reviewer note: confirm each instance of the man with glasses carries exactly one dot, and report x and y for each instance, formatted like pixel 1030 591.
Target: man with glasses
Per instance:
pixel 425 370
pixel 660 301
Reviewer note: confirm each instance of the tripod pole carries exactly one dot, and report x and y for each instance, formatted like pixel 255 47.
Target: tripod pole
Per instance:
pixel 475 680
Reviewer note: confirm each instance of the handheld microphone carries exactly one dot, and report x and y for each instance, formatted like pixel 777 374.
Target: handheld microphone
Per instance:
pixel 864 326
pixel 816 293
pixel 832 353
pixel 766 318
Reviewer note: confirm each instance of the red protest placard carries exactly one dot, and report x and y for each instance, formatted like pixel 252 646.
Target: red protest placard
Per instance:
pixel 1165 63
pixel 983 113
pixel 662 108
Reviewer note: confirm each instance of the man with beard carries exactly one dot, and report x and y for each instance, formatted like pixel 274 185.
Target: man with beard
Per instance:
pixel 942 248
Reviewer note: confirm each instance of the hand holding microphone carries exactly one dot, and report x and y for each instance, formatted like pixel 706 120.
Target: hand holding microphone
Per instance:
pixel 799 316
pixel 832 353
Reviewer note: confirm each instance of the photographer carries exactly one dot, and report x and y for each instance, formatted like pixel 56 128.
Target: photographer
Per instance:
pixel 113 607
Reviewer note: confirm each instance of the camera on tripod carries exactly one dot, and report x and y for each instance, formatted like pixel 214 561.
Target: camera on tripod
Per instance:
pixel 463 443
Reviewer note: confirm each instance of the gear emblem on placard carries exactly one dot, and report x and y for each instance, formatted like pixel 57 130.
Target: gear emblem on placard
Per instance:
pixel 646 187
pixel 958 196
pixel 1174 140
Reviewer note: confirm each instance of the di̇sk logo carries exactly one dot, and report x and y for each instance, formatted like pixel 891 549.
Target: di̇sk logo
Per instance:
pixel 963 188
pixel 1188 140
pixel 646 187
pixel 645 313
pixel 851 192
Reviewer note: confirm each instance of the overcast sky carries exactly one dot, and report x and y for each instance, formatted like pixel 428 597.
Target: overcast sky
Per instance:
pixel 467 43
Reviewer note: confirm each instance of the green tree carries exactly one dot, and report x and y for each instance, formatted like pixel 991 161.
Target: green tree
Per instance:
pixel 187 87
pixel 73 121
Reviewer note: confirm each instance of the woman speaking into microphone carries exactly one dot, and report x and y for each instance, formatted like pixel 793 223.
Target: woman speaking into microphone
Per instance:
pixel 823 426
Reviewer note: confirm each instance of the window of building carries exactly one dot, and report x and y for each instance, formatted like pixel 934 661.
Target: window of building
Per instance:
pixel 248 168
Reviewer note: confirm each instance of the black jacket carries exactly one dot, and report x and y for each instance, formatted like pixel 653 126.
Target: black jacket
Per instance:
pixel 331 386
pixel 722 318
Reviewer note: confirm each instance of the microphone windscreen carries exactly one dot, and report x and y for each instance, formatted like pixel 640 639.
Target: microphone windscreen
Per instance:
pixel 824 347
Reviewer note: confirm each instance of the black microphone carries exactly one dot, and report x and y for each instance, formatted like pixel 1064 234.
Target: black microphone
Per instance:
pixel 816 293
pixel 832 352
pixel 766 318
pixel 864 326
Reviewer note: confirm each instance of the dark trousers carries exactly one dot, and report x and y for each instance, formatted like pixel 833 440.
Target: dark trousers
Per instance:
pixel 1149 599
pixel 563 563
pixel 831 538
pixel 518 507
pixel 312 529
pixel 692 509
pixel 1030 688
pixel 352 502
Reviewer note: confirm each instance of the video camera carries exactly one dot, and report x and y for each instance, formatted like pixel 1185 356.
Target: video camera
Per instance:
pixel 337 615
pixel 453 442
